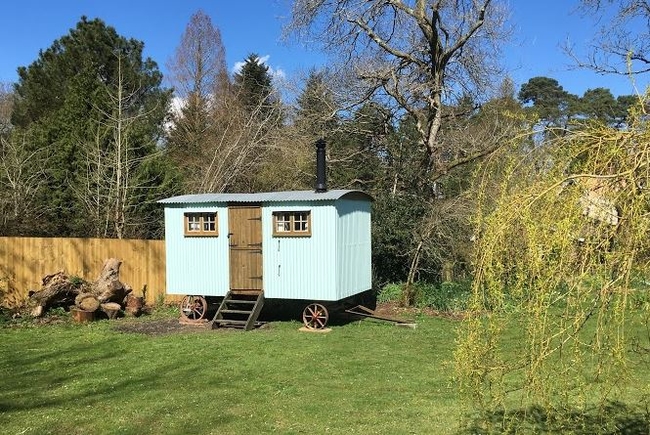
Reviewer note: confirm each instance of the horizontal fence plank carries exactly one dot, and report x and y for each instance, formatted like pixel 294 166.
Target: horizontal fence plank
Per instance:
pixel 24 261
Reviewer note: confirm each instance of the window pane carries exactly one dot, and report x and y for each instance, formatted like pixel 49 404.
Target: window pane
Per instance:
pixel 209 222
pixel 300 220
pixel 282 222
pixel 193 222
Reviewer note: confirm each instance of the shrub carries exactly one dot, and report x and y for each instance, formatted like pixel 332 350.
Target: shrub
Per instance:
pixel 5 315
pixel 390 293
pixel 448 296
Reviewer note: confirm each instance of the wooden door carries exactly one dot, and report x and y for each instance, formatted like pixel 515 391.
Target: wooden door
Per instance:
pixel 245 240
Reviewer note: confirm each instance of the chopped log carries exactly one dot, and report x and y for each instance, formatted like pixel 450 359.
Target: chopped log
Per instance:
pixel 86 302
pixel 107 287
pixel 81 316
pixel 111 309
pixel 57 290
pixel 134 305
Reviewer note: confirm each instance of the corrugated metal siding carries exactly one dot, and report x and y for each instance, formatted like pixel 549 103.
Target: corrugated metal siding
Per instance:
pixel 353 248
pixel 332 264
pixel 264 197
pixel 301 267
pixel 196 265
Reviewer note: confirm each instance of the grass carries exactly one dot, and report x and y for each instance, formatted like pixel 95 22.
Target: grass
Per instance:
pixel 364 377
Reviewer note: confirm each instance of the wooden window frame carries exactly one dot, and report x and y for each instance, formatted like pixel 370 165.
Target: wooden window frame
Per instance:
pixel 291 218
pixel 201 219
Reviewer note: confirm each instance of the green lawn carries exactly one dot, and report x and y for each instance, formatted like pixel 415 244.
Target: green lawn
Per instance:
pixel 365 377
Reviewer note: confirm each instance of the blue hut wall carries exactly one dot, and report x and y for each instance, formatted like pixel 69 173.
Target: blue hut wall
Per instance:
pixel 196 265
pixel 332 264
pixel 353 248
pixel 301 267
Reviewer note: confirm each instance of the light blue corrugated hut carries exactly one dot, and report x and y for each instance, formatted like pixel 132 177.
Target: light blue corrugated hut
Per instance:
pixel 312 246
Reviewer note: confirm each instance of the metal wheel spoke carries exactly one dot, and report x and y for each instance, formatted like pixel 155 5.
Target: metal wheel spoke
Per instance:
pixel 193 307
pixel 315 316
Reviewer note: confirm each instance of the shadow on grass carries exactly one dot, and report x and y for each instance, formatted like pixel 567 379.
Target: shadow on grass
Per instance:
pixel 612 418
pixel 92 378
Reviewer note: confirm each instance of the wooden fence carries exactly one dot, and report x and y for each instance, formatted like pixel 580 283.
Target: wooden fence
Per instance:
pixel 24 261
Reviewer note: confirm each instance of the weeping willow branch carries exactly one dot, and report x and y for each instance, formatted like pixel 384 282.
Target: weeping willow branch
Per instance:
pixel 561 240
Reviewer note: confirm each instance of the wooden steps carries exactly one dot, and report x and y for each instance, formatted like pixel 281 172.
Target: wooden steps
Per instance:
pixel 239 310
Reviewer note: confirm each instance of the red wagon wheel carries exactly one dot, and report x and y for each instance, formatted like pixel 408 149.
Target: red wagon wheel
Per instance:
pixel 315 316
pixel 193 307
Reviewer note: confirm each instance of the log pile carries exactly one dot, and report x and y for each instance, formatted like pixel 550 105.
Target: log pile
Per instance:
pixel 106 294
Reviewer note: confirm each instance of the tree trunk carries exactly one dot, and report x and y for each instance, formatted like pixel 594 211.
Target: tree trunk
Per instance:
pixel 111 309
pixel 408 297
pixel 107 287
pixel 57 290
pixel 86 302
pixel 134 305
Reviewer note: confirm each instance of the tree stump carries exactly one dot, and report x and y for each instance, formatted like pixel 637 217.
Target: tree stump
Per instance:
pixel 107 287
pixel 134 305
pixel 86 302
pixel 57 290
pixel 82 316
pixel 111 309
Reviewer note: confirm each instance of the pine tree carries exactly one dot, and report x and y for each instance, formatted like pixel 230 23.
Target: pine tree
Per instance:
pixel 254 86
pixel 66 100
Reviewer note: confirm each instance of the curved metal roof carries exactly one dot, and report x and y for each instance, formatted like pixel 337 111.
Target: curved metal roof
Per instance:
pixel 287 196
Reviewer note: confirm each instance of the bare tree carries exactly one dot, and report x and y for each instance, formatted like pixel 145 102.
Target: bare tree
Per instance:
pixel 110 183
pixel 6 106
pixel 443 234
pixel 234 147
pixel 198 68
pixel 203 94
pixel 22 174
pixel 416 54
pixel 199 76
pixel 622 42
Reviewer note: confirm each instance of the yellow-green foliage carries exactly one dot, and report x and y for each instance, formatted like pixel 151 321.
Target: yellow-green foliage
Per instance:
pixel 562 231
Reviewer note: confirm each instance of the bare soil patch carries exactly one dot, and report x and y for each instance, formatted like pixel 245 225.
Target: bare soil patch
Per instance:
pixel 157 326
pixel 392 309
pixel 154 327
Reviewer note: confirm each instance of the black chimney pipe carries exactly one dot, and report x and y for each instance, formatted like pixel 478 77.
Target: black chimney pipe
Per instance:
pixel 321 177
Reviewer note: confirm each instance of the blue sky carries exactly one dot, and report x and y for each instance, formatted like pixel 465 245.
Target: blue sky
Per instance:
pixel 27 26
